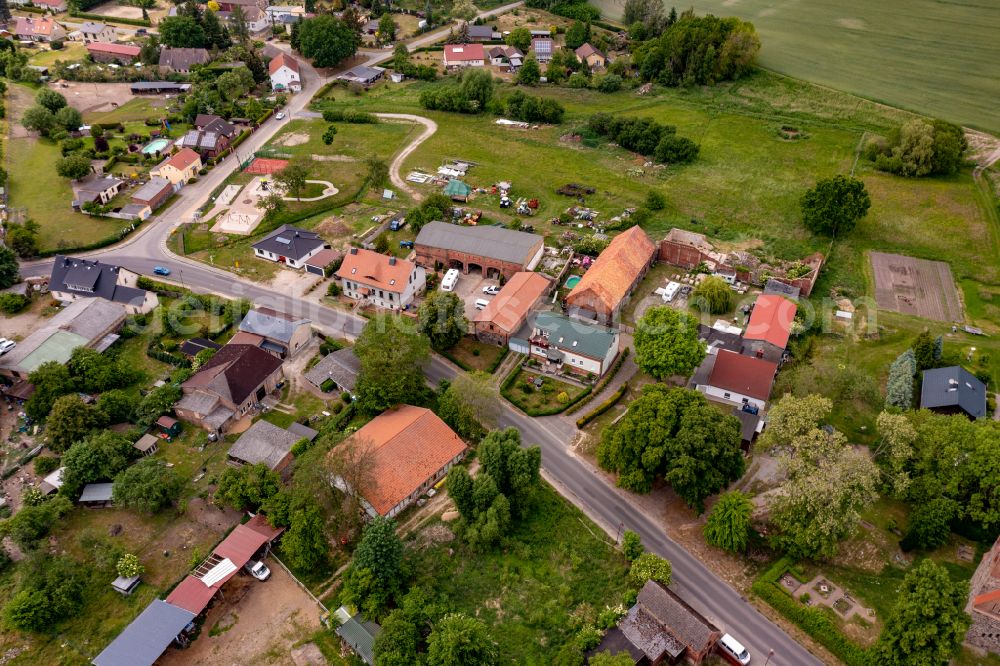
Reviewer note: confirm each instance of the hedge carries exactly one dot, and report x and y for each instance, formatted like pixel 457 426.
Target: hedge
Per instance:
pixel 32 9
pixel 143 23
pixel 603 407
pixel 343 418
pixel 163 356
pixel 605 380
pixel 499 359
pixel 462 364
pixel 813 621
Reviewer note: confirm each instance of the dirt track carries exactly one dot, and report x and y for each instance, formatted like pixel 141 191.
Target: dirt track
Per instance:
pixel 429 128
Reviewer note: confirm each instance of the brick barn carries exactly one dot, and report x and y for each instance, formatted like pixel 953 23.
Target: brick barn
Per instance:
pixel 493 251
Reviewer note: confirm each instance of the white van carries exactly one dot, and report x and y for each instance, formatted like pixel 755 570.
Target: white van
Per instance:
pixel 481 303
pixel 734 648
pixel 450 280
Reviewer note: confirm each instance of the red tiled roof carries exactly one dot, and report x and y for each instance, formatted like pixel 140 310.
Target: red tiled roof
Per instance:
pixel 283 59
pixel 324 258
pixel 260 525
pixel 616 269
pixel 116 49
pixel 192 595
pixel 182 159
pixel 509 308
pixel 372 268
pixel 586 51
pixel 743 374
pixel 771 320
pixel 988 600
pixel 464 52
pixel 409 445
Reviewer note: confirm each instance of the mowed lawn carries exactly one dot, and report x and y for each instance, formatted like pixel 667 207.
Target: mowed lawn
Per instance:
pixel 35 186
pixel 934 57
pixel 744 188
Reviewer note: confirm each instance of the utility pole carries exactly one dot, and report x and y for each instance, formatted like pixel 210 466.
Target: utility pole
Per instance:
pixel 770 653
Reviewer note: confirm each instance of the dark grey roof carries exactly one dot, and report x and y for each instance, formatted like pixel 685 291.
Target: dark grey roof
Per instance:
pixel 92 27
pixel 362 73
pixel 481 31
pixel 342 366
pixel 144 86
pixel 144 640
pixel 85 277
pixel 264 443
pixel 565 335
pixel 748 424
pixel 194 345
pixel 152 189
pixel 953 387
pixel 616 642
pixel 485 241
pixel 360 635
pixel 182 60
pixel 779 288
pixel 133 209
pixel 96 492
pixel 97 184
pixel 302 431
pixel 720 339
pixel 291 242
pixel 269 323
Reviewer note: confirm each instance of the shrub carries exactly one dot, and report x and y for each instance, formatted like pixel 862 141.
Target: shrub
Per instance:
pixel 46 465
pixel 11 304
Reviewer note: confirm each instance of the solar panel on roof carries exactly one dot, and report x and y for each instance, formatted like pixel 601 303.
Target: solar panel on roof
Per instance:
pixel 283 240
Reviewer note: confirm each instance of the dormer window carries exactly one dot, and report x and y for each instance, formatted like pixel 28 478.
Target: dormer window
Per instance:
pixel 353 271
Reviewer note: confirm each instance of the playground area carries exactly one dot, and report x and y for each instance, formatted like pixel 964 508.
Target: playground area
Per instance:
pixel 237 212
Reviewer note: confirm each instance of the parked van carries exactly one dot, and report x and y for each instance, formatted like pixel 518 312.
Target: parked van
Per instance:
pixel 450 280
pixel 733 649
pixel 481 303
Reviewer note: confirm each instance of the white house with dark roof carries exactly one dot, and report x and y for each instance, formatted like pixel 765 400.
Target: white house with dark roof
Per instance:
pixel 72 279
pixel 92 31
pixel 283 335
pixel 290 246
pixel 95 189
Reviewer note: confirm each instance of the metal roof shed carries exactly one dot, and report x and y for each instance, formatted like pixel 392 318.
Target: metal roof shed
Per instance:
pixel 143 641
pixel 96 494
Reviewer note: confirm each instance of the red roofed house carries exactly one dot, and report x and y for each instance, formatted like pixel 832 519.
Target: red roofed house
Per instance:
pixel 984 602
pixel 736 379
pixel 124 54
pixel 381 280
pixel 769 327
pixel 411 450
pixel 44 29
pixel 284 70
pixel 606 286
pixel 464 55
pixel 508 311
pixel 594 58
pixel 179 168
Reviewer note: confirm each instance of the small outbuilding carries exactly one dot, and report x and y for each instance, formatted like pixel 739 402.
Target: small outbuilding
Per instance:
pixel 147 445
pixel 340 367
pixel 96 495
pixel 125 586
pixel 169 425
pixel 264 443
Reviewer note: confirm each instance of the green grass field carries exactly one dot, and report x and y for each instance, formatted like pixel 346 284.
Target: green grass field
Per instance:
pixel 934 57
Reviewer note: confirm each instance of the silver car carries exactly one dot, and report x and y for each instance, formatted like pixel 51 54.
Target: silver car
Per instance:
pixel 258 570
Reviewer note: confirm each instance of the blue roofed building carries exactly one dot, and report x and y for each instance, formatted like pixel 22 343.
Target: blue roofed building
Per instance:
pixel 953 390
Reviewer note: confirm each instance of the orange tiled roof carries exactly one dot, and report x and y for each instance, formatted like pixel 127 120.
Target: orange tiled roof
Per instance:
pixel 616 269
pixel 509 308
pixel 374 269
pixel 182 159
pixel 409 445
pixel 771 320
pixel 283 59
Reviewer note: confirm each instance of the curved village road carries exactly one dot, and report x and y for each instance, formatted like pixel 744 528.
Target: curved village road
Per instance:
pixel 574 478
pixel 397 162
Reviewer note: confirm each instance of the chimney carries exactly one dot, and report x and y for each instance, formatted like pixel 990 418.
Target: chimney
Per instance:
pixel 392 261
pixel 354 250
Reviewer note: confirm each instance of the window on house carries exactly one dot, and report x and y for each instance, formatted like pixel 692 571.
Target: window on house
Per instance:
pixel 725 395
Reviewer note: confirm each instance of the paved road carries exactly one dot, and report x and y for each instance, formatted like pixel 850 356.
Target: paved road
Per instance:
pixel 572 476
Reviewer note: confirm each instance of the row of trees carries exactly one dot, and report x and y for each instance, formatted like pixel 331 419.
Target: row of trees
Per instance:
pixel 51 115
pixel 474 92
pixel 194 27
pixel 645 136
pixel 920 148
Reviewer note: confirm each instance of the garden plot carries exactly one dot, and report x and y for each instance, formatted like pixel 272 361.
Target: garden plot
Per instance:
pixel 916 286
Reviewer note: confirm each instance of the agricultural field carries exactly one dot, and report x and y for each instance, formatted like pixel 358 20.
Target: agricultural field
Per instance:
pixel 932 57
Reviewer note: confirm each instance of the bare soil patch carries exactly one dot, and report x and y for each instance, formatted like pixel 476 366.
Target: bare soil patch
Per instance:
pixel 19 100
pixel 264 620
pixel 115 10
pixel 916 287
pixel 293 139
pixel 94 97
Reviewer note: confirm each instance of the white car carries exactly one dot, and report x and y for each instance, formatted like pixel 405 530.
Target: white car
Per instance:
pixel 279 115
pixel 258 570
pixel 491 290
pixel 735 649
pixel 6 345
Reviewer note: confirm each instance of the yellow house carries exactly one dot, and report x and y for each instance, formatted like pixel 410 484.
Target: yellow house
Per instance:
pixel 180 167
pixel 590 55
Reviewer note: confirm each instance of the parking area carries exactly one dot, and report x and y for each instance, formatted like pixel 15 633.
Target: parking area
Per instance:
pixel 470 289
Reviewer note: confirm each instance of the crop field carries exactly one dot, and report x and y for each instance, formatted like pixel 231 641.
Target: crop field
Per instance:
pixel 938 58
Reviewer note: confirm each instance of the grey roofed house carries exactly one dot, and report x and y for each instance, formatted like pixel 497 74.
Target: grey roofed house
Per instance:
pixel 143 641
pixel 779 288
pixel 269 323
pixel 133 210
pixel 953 390
pixel 87 277
pixel 182 60
pixel 92 28
pixel 96 493
pixel 342 366
pixel 358 633
pixel 291 242
pixel 150 190
pixel 90 189
pixel 481 32
pixel 213 123
pixel 487 241
pixel 264 443
pixel 362 74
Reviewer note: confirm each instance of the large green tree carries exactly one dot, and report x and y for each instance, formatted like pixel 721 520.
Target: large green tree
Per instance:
pixel 182 32
pixel 148 486
pixel 728 526
pixel 834 206
pixel 667 344
pixel 442 319
pixel 73 167
pixel 650 566
pixel 10 273
pixel 516 470
pixel 327 40
pixel 100 457
pixel 392 353
pixel 293 177
pixel 247 487
pixel 32 523
pixel 674 433
pixel 51 380
pixel 305 544
pixel 712 295
pixel 470 404
pixel 70 420
pixel 376 572
pixel 460 639
pixel 51 589
pixel 50 99
pixel 929 621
